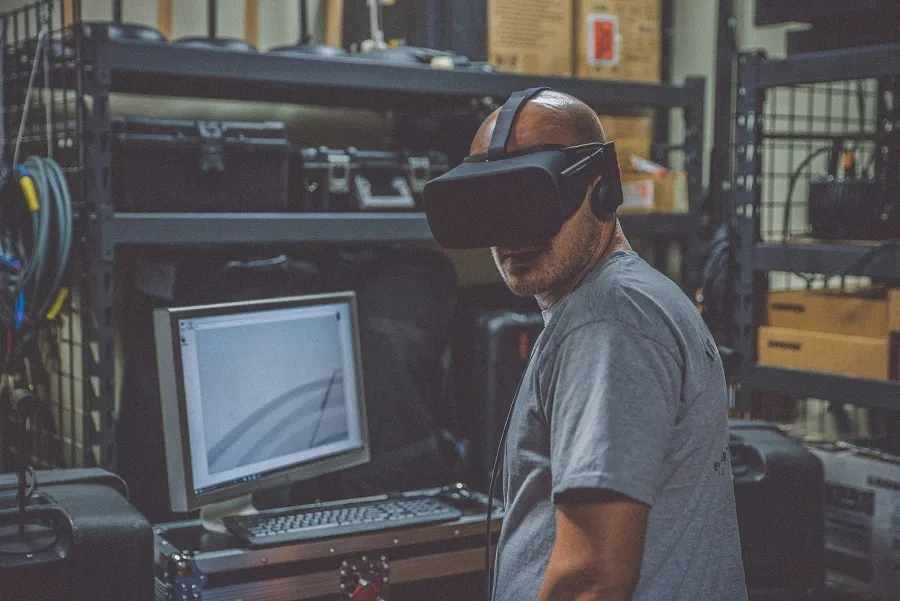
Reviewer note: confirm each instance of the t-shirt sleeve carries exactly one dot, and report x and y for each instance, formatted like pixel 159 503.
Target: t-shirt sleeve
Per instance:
pixel 610 394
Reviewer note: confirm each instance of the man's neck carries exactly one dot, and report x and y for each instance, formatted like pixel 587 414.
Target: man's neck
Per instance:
pixel 615 242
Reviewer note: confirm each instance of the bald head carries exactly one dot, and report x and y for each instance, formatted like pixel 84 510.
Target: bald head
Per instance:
pixel 549 118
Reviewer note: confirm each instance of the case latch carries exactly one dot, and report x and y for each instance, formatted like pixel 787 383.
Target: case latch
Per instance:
pixel 365 579
pixel 338 173
pixel 419 173
pixel 184 578
pixel 211 141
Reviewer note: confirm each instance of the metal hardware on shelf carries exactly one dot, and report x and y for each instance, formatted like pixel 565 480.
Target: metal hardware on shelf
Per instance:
pixel 365 579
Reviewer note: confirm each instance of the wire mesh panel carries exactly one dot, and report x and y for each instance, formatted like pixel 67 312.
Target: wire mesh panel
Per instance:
pixel 42 117
pixel 811 133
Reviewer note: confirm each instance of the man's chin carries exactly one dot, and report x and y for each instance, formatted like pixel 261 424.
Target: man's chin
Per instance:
pixel 523 285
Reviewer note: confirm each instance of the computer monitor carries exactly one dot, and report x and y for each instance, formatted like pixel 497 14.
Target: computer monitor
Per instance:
pixel 258 394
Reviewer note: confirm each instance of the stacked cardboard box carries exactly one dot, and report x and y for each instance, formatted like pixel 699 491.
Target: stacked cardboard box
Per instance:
pixel 594 39
pixel 530 36
pixel 852 335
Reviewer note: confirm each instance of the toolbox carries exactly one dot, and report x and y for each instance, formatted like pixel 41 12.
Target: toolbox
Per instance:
pixel 364 180
pixel 164 165
pixel 439 562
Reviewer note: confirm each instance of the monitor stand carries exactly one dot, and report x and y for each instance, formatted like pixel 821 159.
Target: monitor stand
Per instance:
pixel 211 515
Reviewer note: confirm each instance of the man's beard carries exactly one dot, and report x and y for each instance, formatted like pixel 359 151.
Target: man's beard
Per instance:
pixel 556 268
pixel 540 277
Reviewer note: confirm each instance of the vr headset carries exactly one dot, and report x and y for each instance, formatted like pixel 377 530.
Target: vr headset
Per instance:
pixel 515 199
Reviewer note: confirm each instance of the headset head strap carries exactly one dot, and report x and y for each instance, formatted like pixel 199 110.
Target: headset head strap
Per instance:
pixel 506 119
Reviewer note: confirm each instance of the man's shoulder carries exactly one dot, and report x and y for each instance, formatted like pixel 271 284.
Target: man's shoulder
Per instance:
pixel 631 296
pixel 628 290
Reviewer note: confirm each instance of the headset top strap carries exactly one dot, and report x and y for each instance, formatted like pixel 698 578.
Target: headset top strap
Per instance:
pixel 506 119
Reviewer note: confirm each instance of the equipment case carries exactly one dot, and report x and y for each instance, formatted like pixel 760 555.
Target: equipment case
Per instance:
pixel 440 562
pixel 103 547
pixel 163 165
pixel 503 343
pixel 365 180
pixel 779 487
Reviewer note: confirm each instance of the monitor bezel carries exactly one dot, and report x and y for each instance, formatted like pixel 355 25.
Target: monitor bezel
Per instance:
pixel 174 402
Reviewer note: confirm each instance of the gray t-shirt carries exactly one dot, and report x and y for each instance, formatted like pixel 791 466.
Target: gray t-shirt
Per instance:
pixel 625 392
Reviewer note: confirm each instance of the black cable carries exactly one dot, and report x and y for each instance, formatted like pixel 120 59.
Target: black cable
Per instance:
pixel 785 228
pixel 861 105
pixel 30 488
pixel 866 257
pixel 488 578
pixel 29 491
pixel 791 186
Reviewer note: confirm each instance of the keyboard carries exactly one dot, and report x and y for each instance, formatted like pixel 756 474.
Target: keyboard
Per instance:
pixel 314 522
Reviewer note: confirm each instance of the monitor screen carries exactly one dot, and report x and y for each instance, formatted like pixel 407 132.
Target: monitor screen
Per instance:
pixel 258 393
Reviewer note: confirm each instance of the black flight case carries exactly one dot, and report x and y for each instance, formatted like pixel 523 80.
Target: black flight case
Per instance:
pixel 165 165
pixel 364 180
pixel 438 562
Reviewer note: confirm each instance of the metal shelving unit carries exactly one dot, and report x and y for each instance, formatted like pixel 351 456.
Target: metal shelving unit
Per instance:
pixel 786 108
pixel 102 67
pixel 172 70
pixel 819 257
pixel 880 394
pixel 284 228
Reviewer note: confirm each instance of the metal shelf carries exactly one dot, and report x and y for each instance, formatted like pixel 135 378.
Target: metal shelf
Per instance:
pixel 173 70
pixel 823 258
pixel 282 228
pixel 881 394
pixel 832 65
pixel 269 228
pixel 755 75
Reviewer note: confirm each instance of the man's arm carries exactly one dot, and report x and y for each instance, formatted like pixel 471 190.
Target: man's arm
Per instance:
pixel 598 549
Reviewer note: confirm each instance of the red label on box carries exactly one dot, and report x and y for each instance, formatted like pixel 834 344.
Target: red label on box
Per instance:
pixel 603 40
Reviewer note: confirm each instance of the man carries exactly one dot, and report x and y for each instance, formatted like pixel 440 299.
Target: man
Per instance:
pixel 617 479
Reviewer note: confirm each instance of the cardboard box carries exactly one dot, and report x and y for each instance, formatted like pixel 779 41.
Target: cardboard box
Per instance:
pixel 862 529
pixel 618 39
pixel 645 193
pixel 632 135
pixel 834 312
pixel 530 36
pixel 831 353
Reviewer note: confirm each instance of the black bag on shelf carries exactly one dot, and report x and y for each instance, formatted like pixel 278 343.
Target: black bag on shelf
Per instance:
pixel 100 547
pixel 364 180
pixel 163 165
pixel 780 490
pixel 139 438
